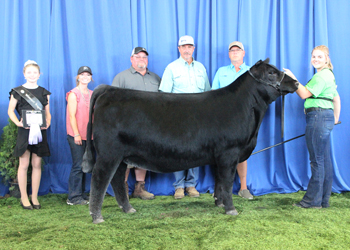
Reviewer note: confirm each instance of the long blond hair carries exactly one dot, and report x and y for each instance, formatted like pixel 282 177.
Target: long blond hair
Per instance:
pixel 325 50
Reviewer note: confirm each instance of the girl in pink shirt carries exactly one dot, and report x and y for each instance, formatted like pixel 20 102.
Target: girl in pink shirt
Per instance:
pixel 78 104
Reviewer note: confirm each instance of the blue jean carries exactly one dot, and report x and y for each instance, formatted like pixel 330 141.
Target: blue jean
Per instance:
pixel 76 181
pixel 186 178
pixel 319 125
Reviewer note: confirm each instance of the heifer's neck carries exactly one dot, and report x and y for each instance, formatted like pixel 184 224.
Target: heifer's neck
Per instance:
pixel 261 92
pixel 249 103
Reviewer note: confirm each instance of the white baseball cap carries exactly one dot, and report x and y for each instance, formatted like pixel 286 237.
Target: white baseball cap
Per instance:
pixel 186 40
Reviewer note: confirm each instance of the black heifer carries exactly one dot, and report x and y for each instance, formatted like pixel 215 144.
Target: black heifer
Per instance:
pixel 165 132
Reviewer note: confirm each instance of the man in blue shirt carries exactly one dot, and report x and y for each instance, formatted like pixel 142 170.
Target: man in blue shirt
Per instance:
pixel 223 77
pixel 185 75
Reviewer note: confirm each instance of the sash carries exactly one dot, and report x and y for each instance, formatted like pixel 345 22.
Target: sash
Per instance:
pixel 35 135
pixel 29 97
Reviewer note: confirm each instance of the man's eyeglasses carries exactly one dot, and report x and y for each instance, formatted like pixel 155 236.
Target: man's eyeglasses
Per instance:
pixel 141 57
pixel 235 50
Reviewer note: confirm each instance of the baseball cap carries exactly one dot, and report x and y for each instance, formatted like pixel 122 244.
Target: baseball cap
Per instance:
pixel 137 50
pixel 236 43
pixel 84 69
pixel 186 40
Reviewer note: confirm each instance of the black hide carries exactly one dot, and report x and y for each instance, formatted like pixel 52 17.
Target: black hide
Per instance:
pixel 165 132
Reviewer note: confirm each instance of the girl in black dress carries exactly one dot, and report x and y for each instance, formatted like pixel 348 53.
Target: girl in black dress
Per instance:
pixel 23 149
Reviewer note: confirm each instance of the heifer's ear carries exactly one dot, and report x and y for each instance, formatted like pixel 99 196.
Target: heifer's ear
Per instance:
pixel 258 62
pixel 256 69
pixel 267 60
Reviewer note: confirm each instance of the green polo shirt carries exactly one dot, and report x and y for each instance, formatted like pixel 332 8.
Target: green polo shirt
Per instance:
pixel 322 84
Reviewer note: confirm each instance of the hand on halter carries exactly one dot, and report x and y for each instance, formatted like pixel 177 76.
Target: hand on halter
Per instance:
pixel 289 73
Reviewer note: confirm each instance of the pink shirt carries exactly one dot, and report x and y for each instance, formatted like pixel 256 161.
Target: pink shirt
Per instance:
pixel 82 114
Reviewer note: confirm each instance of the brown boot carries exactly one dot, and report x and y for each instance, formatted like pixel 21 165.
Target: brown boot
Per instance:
pixel 140 191
pixel 192 192
pixel 127 189
pixel 179 193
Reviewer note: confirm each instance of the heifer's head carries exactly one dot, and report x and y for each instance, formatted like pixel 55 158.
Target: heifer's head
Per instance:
pixel 279 83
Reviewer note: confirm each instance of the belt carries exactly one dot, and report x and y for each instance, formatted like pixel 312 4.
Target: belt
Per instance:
pixel 315 109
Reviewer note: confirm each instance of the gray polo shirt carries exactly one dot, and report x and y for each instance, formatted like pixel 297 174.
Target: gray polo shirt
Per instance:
pixel 131 79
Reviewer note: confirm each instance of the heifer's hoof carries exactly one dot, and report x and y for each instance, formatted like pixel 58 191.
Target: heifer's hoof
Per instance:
pixel 219 203
pixel 131 211
pixel 232 212
pixel 97 219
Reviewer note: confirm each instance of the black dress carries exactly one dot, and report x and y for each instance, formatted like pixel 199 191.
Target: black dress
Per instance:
pixel 42 148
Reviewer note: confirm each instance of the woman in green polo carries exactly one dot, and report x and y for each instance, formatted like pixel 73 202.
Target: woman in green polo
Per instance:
pixel 322 109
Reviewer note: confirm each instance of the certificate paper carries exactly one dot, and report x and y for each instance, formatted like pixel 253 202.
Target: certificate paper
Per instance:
pixel 33 117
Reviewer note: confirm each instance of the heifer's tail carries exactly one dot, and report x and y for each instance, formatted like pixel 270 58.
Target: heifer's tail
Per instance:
pixel 88 158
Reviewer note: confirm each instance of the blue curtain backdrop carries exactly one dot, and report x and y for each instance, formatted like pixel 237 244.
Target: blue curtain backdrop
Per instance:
pixel 62 35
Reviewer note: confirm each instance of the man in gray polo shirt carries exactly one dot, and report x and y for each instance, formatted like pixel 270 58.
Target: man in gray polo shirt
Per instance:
pixel 140 78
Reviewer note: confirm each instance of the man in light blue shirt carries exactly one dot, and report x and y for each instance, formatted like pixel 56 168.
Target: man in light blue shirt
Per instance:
pixel 227 74
pixel 185 75
pixel 223 77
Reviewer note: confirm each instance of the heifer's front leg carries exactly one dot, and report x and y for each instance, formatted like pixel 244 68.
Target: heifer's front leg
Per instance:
pixel 101 177
pixel 223 187
pixel 118 186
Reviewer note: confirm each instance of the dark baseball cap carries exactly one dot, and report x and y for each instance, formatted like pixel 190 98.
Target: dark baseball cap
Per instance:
pixel 84 69
pixel 137 50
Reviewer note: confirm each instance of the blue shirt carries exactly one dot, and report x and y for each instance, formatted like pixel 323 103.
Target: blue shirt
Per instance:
pixel 181 77
pixel 227 74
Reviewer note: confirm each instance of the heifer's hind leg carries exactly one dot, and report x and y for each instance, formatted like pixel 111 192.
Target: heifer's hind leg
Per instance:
pixel 224 177
pixel 118 186
pixel 218 191
pixel 101 177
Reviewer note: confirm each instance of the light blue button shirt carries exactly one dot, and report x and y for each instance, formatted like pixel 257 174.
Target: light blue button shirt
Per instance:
pixel 227 74
pixel 181 77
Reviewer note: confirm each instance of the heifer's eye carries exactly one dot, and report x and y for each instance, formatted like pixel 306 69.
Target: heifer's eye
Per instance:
pixel 271 75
